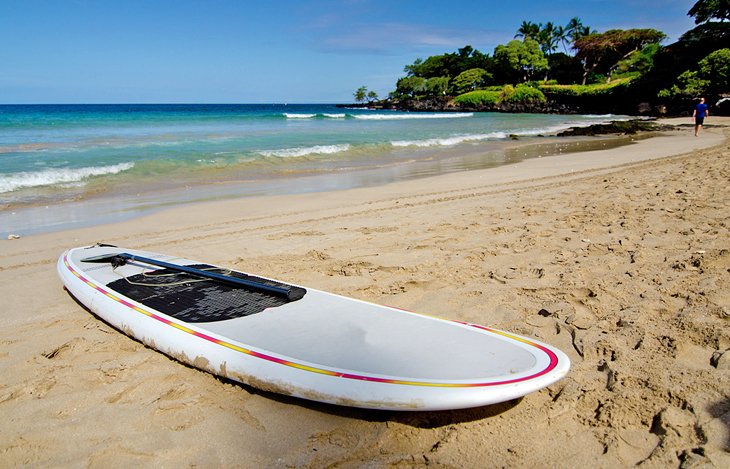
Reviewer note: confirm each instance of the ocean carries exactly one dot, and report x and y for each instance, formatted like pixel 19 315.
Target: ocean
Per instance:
pixel 64 166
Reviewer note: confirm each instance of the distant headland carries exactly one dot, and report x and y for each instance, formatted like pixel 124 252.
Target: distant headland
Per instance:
pixel 570 69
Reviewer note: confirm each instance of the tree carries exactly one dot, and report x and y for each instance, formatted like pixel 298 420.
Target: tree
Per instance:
pixel 641 61
pixel 547 38
pixel 716 68
pixel 705 10
pixel 360 94
pixel 519 61
pixel 573 25
pixel 711 76
pixel 433 66
pixel 448 65
pixel 437 86
pixel 688 84
pixel 565 68
pixel 410 87
pixel 601 52
pixel 714 32
pixel 575 30
pixel 469 80
pixel 372 96
pixel 528 30
pixel 413 69
pixel 467 58
pixel 561 36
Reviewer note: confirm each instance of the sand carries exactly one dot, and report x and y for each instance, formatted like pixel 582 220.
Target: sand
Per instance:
pixel 619 257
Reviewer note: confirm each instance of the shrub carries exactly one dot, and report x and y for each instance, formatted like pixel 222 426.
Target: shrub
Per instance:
pixel 506 93
pixel 470 80
pixel 478 98
pixel 588 90
pixel 713 74
pixel 524 94
pixel 501 94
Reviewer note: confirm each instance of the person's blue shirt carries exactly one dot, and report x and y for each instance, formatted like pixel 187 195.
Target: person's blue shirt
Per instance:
pixel 701 109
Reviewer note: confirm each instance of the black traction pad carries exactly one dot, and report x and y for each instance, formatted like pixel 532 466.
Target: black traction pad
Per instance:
pixel 187 298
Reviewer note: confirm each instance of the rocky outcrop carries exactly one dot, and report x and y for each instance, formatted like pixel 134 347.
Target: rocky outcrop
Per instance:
pixel 616 127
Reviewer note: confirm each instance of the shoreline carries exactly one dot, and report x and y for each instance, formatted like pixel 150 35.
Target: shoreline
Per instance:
pixel 98 207
pixel 618 257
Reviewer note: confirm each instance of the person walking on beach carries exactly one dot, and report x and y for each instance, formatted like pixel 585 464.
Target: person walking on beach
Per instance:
pixel 699 115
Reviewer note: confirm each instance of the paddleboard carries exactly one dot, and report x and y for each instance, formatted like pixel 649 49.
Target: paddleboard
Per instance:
pixel 301 341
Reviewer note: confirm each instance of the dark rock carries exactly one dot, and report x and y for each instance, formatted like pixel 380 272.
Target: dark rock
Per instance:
pixel 616 127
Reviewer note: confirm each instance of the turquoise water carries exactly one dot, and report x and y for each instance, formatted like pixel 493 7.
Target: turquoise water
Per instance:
pixel 55 154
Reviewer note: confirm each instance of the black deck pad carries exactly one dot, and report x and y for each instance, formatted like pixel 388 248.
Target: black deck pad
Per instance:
pixel 199 301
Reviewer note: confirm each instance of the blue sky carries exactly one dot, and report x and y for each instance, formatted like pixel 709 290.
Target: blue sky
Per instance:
pixel 283 51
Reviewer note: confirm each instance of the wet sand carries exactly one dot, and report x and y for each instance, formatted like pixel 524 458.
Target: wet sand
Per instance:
pixel 619 257
pixel 100 202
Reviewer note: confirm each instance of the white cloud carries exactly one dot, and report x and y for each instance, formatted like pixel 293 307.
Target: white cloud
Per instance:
pixel 392 38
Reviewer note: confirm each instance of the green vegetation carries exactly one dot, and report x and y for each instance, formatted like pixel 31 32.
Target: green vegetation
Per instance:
pixel 705 10
pixel 556 68
pixel 520 61
pixel 362 94
pixel 637 63
pixel 480 98
pixel 588 90
pixel 712 75
pixel 602 53
pixel 470 80
pixel 522 94
pixel 497 95
pixel 448 65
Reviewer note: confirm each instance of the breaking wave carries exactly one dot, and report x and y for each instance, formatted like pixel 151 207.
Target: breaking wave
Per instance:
pixel 381 116
pixel 304 151
pixel 415 115
pixel 448 141
pixel 60 176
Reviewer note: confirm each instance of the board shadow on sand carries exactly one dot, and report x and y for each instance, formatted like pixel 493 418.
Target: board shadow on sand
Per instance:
pixel 429 419
pixel 417 419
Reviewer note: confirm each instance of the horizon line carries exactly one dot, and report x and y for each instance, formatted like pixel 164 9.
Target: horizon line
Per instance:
pixel 273 103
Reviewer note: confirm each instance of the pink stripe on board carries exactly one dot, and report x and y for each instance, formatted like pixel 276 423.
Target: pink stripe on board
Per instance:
pixel 301 366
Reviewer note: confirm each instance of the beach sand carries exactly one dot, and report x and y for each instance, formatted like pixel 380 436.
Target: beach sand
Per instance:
pixel 619 257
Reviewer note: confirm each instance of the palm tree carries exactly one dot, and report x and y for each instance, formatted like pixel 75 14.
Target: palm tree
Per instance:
pixel 575 30
pixel 546 38
pixel 584 31
pixel 574 24
pixel 561 36
pixel 548 41
pixel 528 30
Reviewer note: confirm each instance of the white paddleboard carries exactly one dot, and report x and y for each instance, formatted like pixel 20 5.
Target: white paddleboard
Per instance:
pixel 304 342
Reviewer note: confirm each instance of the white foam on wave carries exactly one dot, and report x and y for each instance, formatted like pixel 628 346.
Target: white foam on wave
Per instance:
pixel 551 130
pixel 437 115
pixel 303 151
pixel 60 176
pixel 497 135
pixel 289 115
pixel 548 130
pixel 448 141
pixel 326 115
pixel 554 129
pixel 381 116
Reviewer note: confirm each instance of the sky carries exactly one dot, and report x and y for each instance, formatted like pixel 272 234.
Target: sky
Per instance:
pixel 265 51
